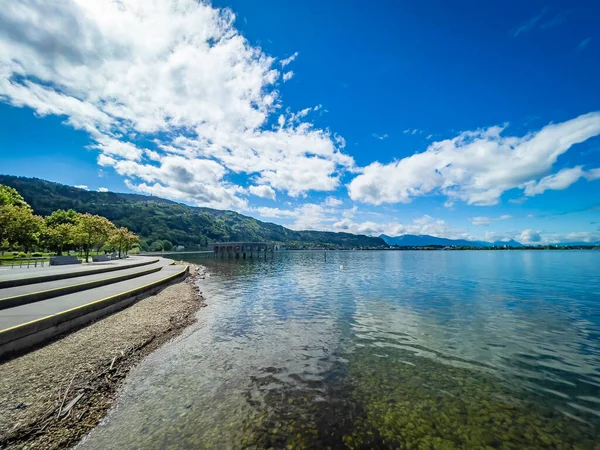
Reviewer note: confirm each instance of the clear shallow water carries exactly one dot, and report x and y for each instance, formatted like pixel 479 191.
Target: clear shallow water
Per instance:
pixel 394 350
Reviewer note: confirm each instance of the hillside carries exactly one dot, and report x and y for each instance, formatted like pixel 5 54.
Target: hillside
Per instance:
pixel 156 219
pixel 411 240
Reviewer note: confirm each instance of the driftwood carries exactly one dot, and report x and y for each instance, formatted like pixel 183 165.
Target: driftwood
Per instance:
pixel 65 396
pixel 71 404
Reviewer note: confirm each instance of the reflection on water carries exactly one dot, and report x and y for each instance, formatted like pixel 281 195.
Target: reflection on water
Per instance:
pixel 377 349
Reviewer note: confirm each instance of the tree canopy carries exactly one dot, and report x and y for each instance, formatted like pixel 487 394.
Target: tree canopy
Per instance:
pixel 61 230
pixel 92 231
pixel 10 197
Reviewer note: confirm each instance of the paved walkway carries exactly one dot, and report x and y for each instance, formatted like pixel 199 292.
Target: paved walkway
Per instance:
pixel 45 286
pixel 22 314
pixel 17 273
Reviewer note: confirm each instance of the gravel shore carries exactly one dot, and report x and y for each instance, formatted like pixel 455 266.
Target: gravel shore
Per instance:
pixel 52 397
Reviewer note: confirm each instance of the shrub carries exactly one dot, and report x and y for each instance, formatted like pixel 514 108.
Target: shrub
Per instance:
pixel 156 246
pixel 37 254
pixel 21 255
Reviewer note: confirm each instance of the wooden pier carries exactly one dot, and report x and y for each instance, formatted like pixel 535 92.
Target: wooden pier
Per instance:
pixel 242 249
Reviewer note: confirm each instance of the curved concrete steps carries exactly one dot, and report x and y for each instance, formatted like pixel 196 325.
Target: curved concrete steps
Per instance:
pixel 24 326
pixel 29 293
pixel 20 277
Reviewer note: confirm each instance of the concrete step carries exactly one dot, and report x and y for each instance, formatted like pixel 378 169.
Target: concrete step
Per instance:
pixel 10 277
pixel 29 293
pixel 22 327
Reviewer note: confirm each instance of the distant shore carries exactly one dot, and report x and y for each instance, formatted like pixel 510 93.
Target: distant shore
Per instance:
pixel 208 254
pixel 53 396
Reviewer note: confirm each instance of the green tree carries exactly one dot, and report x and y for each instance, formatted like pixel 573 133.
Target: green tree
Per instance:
pixel 19 227
pixel 122 240
pixel 61 217
pixel 132 240
pixel 59 237
pixel 156 246
pixel 59 231
pixel 91 231
pixel 167 246
pixel 10 197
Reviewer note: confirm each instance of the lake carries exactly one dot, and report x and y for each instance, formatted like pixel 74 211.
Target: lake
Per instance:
pixel 377 349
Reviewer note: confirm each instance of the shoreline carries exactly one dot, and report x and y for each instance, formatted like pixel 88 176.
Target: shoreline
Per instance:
pixel 54 396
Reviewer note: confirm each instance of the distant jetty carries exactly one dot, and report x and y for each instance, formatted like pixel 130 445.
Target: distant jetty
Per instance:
pixel 242 249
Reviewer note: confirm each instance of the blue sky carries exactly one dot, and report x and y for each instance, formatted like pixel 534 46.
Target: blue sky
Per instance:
pixel 472 120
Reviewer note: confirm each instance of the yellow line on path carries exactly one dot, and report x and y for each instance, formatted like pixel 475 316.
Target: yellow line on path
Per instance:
pixel 96 301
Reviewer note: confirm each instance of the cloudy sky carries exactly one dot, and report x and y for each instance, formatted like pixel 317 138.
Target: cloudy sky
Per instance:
pixel 468 121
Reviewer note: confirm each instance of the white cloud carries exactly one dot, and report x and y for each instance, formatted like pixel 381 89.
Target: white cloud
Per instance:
pixel 309 216
pixel 585 236
pixel 529 24
pixel 381 137
pixel 534 237
pixel 312 217
pixel 476 167
pixel 422 225
pixel 263 191
pixel 286 61
pixel 164 87
pixel 529 236
pixel 288 75
pixel 275 213
pixel 583 44
pixel 558 181
pixel 333 202
pixel 82 186
pixel 481 221
pixel 485 221
pixel 102 189
pixel 350 213
pixel 197 180
pixel 593 174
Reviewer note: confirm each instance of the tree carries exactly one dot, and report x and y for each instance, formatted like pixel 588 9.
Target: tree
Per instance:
pixel 91 231
pixel 59 231
pixel 61 217
pixel 19 227
pixel 10 197
pixel 167 246
pixel 58 237
pixel 122 240
pixel 156 246
pixel 132 239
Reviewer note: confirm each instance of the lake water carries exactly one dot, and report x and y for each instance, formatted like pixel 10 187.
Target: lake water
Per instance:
pixel 430 349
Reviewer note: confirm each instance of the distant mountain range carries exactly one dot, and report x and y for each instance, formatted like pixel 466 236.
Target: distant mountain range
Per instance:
pixel 157 220
pixel 424 240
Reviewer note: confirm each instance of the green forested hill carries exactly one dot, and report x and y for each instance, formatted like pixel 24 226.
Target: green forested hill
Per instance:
pixel 156 219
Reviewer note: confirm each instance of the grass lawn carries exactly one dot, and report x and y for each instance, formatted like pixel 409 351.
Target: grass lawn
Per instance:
pixel 17 258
